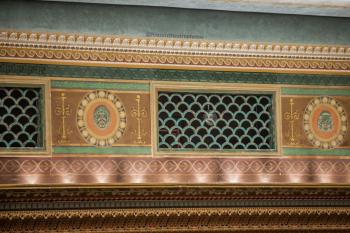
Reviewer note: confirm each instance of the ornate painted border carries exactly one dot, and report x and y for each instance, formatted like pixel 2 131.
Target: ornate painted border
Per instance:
pixel 127 170
pixel 58 48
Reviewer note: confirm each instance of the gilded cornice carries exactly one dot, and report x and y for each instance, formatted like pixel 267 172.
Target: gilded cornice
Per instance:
pixel 38 216
pixel 176 219
pixel 171 53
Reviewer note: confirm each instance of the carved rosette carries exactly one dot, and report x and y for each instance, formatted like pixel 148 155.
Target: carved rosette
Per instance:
pixel 325 122
pixel 101 118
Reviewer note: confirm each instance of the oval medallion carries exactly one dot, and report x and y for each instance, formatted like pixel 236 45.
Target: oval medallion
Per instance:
pixel 325 122
pixel 101 118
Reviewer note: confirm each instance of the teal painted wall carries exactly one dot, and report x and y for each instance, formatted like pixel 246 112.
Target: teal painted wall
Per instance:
pixel 138 21
pixel 169 75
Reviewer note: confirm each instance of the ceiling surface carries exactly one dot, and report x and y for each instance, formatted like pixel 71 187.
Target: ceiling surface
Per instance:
pixel 337 8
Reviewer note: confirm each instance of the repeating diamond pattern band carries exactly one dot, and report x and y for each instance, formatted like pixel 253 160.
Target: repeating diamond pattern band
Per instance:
pixel 126 170
pixel 20 117
pixel 215 121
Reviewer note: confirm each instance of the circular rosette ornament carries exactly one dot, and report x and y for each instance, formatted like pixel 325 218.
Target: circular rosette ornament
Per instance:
pixel 101 118
pixel 325 122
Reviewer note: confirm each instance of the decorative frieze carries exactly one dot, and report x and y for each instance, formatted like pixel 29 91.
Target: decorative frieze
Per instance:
pixel 149 52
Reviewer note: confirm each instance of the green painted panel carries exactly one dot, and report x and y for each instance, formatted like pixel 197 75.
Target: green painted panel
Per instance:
pixel 170 75
pixel 315 151
pixel 142 21
pixel 125 150
pixel 297 91
pixel 100 85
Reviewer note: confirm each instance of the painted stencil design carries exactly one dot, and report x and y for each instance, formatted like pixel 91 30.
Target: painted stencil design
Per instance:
pixel 101 118
pixel 325 122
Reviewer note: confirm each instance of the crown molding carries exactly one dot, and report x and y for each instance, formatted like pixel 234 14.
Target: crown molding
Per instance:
pixel 110 51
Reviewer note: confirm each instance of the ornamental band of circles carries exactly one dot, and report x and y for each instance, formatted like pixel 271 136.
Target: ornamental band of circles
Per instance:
pixel 325 122
pixel 101 118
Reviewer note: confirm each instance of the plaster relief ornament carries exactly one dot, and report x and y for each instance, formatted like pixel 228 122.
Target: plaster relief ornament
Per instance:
pixel 101 118
pixel 325 122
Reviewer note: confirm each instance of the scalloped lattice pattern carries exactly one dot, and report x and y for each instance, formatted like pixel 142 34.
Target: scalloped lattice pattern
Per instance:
pixel 215 121
pixel 20 117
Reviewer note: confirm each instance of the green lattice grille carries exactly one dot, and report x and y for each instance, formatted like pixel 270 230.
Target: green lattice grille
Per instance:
pixel 215 121
pixel 20 119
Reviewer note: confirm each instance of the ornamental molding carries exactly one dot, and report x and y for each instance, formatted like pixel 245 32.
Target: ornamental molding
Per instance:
pixel 116 50
pixel 265 219
pixel 172 197
pixel 75 41
pixel 37 216
pixel 158 212
pixel 208 193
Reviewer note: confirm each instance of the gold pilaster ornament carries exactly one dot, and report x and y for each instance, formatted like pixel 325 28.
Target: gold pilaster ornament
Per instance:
pixel 63 110
pixel 139 113
pixel 291 117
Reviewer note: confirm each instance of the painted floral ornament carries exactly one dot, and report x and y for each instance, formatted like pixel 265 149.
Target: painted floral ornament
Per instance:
pixel 101 118
pixel 325 122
